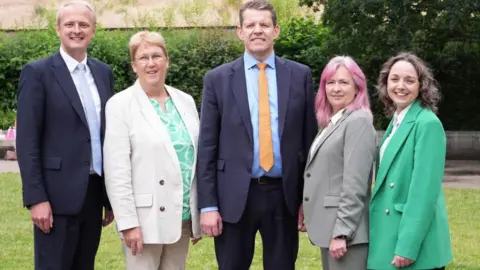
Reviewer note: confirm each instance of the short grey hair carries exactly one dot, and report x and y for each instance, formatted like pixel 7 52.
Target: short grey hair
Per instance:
pixel 77 2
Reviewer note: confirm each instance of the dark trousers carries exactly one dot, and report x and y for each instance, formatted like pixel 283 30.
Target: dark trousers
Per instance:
pixel 73 241
pixel 265 211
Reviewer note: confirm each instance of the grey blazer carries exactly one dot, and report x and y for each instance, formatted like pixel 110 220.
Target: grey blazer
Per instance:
pixel 338 179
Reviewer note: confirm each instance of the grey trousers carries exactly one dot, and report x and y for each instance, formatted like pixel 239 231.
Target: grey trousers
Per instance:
pixel 355 259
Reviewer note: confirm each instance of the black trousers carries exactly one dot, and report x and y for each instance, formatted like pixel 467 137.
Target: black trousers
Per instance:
pixel 265 211
pixel 73 241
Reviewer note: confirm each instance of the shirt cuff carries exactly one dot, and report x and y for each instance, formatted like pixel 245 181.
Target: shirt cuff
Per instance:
pixel 209 209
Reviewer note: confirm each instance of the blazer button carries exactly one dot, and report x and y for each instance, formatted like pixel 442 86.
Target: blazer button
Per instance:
pixel 161 182
pixel 387 212
pixel 87 162
pixel 307 199
pixel 308 174
pixel 87 139
pixel 162 208
pixel 392 185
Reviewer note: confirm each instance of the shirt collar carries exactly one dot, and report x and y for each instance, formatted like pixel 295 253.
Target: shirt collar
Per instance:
pixel 398 116
pixel 336 117
pixel 70 61
pixel 250 61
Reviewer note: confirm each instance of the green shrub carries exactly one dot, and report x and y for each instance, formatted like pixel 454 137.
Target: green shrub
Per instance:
pixel 193 52
pixel 7 119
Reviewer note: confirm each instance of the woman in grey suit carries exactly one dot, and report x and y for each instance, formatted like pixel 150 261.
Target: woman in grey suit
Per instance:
pixel 339 166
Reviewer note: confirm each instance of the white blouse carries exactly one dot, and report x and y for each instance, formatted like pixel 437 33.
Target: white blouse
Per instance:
pixel 333 121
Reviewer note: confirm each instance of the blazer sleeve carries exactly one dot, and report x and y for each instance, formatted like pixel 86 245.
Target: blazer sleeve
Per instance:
pixel 117 166
pixel 106 201
pixel 310 127
pixel 30 124
pixel 359 150
pixel 310 122
pixel 425 186
pixel 208 147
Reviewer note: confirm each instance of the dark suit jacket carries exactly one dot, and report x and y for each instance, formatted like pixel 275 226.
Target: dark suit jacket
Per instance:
pixel 225 145
pixel 53 139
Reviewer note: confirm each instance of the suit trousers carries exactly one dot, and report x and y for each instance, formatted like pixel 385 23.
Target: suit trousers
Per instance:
pixel 355 258
pixel 265 211
pixel 73 241
pixel 161 256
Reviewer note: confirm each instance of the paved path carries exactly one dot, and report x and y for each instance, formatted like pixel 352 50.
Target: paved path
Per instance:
pixel 8 166
pixel 458 173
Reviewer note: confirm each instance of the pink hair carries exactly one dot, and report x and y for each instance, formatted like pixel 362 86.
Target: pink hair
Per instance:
pixel 322 107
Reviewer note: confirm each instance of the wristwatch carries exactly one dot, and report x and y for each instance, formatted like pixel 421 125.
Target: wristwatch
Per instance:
pixel 341 237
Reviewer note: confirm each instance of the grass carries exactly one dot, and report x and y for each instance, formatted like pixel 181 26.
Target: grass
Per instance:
pixel 16 240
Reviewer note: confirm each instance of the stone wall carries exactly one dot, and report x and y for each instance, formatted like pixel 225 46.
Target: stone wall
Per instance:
pixel 20 14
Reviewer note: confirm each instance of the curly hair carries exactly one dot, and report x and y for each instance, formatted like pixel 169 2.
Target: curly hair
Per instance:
pixel 429 95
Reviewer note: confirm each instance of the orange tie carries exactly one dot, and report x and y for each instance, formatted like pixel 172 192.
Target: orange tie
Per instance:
pixel 265 132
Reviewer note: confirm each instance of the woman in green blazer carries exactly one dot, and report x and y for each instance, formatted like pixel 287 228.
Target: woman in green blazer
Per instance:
pixel 408 218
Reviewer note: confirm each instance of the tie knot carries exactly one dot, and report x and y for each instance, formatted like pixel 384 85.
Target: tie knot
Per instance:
pixel 262 66
pixel 81 67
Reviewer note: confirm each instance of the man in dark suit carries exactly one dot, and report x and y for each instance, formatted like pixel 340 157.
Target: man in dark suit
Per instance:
pixel 257 124
pixel 60 132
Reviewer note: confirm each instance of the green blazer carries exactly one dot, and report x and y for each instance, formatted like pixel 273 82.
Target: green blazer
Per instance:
pixel 408 216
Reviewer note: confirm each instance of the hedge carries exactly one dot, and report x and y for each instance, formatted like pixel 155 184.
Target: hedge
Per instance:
pixel 195 51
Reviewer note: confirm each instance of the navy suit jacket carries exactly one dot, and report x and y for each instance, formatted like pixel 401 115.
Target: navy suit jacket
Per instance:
pixel 225 145
pixel 53 139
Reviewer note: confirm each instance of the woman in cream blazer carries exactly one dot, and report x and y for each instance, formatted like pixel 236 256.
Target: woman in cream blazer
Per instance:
pixel 149 159
pixel 338 170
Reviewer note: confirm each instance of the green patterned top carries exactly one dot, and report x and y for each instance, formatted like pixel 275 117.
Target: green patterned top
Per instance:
pixel 183 146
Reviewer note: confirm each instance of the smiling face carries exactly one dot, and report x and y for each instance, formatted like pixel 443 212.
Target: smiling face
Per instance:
pixel 258 33
pixel 150 65
pixel 340 89
pixel 76 29
pixel 403 85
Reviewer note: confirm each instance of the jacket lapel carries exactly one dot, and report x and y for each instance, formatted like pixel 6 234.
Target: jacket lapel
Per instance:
pixel 191 122
pixel 395 144
pixel 385 136
pixel 102 92
pixel 64 79
pixel 154 120
pixel 188 119
pixel 238 84
pixel 328 131
pixel 283 90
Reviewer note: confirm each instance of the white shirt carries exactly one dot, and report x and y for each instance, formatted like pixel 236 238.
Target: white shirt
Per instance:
pixel 398 118
pixel 333 121
pixel 71 65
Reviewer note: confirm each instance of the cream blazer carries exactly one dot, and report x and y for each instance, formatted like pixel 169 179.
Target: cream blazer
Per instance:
pixel 142 171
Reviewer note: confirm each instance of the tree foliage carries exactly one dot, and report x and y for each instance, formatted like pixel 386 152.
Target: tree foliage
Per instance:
pixel 445 33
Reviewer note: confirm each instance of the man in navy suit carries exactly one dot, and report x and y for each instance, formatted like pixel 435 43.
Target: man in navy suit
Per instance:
pixel 257 125
pixel 61 123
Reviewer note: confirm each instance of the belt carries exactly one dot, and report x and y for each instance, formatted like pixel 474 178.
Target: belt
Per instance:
pixel 265 180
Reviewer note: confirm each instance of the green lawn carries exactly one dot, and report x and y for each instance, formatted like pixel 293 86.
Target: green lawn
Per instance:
pixel 16 242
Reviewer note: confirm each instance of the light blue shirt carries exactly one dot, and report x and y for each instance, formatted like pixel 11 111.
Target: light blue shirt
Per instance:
pixel 251 76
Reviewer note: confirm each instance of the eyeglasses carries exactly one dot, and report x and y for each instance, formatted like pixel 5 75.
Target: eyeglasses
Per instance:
pixel 144 59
